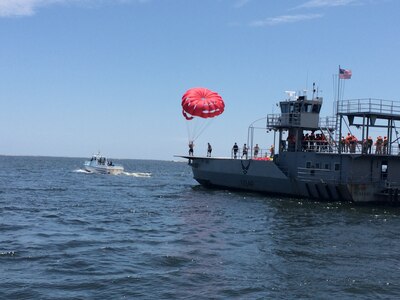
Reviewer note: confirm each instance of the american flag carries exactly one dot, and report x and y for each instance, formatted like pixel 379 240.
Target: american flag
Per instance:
pixel 344 74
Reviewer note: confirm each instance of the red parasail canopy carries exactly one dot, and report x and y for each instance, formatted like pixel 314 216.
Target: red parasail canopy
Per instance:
pixel 201 102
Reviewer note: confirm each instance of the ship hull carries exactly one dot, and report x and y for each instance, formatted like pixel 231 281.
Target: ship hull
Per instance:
pixel 268 178
pixel 261 176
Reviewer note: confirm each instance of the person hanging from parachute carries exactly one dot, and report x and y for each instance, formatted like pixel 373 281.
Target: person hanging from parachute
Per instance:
pixel 199 105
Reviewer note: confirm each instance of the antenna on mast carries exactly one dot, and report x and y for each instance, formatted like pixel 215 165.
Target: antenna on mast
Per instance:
pixel 313 90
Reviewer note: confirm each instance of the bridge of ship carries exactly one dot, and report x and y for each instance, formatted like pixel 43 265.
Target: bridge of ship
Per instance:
pixel 298 117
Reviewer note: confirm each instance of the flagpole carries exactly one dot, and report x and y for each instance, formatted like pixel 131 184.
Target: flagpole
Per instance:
pixel 338 134
pixel 338 95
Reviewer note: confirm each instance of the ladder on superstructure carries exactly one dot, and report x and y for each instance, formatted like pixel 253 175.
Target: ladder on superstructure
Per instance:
pixel 327 126
pixel 329 137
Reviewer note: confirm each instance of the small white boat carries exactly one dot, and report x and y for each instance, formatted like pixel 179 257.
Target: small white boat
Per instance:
pixel 101 164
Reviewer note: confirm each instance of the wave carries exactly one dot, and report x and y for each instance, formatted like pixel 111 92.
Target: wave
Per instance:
pixel 136 174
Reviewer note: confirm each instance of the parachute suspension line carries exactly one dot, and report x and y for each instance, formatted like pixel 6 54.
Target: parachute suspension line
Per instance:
pixel 202 129
pixel 188 131
pixel 192 128
pixel 196 127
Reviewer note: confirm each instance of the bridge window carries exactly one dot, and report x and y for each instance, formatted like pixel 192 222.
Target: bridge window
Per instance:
pixel 285 108
pixel 307 108
pixel 316 108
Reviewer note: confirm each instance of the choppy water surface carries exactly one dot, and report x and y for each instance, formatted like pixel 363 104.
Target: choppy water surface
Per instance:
pixel 66 234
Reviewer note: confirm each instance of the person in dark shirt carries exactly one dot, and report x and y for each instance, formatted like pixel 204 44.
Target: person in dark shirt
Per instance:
pixel 235 150
pixel 244 151
pixel 191 147
pixel 209 150
pixel 370 143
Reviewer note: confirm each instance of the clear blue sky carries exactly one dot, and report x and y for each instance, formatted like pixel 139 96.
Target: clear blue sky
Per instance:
pixel 78 76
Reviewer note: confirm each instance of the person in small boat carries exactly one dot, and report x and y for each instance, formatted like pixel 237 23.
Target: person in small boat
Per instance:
pixel 191 147
pixel 209 150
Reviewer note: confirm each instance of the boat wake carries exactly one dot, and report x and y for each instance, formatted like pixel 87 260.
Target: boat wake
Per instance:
pixel 133 174
pixel 81 171
pixel 136 174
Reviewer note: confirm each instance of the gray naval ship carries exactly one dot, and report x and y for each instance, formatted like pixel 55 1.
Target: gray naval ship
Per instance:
pixel 318 158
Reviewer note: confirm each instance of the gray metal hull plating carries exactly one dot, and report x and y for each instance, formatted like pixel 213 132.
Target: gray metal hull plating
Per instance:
pixel 260 176
pixel 294 180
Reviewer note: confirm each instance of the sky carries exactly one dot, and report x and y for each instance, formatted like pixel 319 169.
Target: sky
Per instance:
pixel 81 76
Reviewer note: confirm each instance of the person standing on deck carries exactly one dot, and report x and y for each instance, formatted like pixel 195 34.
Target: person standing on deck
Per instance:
pixel 272 151
pixel 235 150
pixel 244 151
pixel 353 144
pixel 191 146
pixel 370 142
pixel 378 145
pixel 348 140
pixel 364 146
pixel 385 145
pixel 256 150
pixel 209 150
pixel 343 144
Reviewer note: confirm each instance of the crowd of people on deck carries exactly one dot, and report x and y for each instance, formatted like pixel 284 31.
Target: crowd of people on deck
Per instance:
pixel 348 144
pixel 236 151
pixel 316 142
pixel 256 152
pixel 320 143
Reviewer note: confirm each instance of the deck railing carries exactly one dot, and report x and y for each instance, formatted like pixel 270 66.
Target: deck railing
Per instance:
pixel 369 105
pixel 277 120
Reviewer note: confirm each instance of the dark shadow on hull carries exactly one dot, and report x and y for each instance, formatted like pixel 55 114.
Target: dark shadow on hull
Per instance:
pixel 207 185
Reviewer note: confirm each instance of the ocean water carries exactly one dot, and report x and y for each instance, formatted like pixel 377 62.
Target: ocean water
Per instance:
pixel 154 233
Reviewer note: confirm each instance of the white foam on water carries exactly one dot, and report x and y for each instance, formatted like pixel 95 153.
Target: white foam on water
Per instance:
pixel 81 171
pixel 133 174
pixel 136 174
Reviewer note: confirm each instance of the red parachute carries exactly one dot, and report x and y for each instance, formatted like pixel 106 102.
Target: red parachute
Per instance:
pixel 201 102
